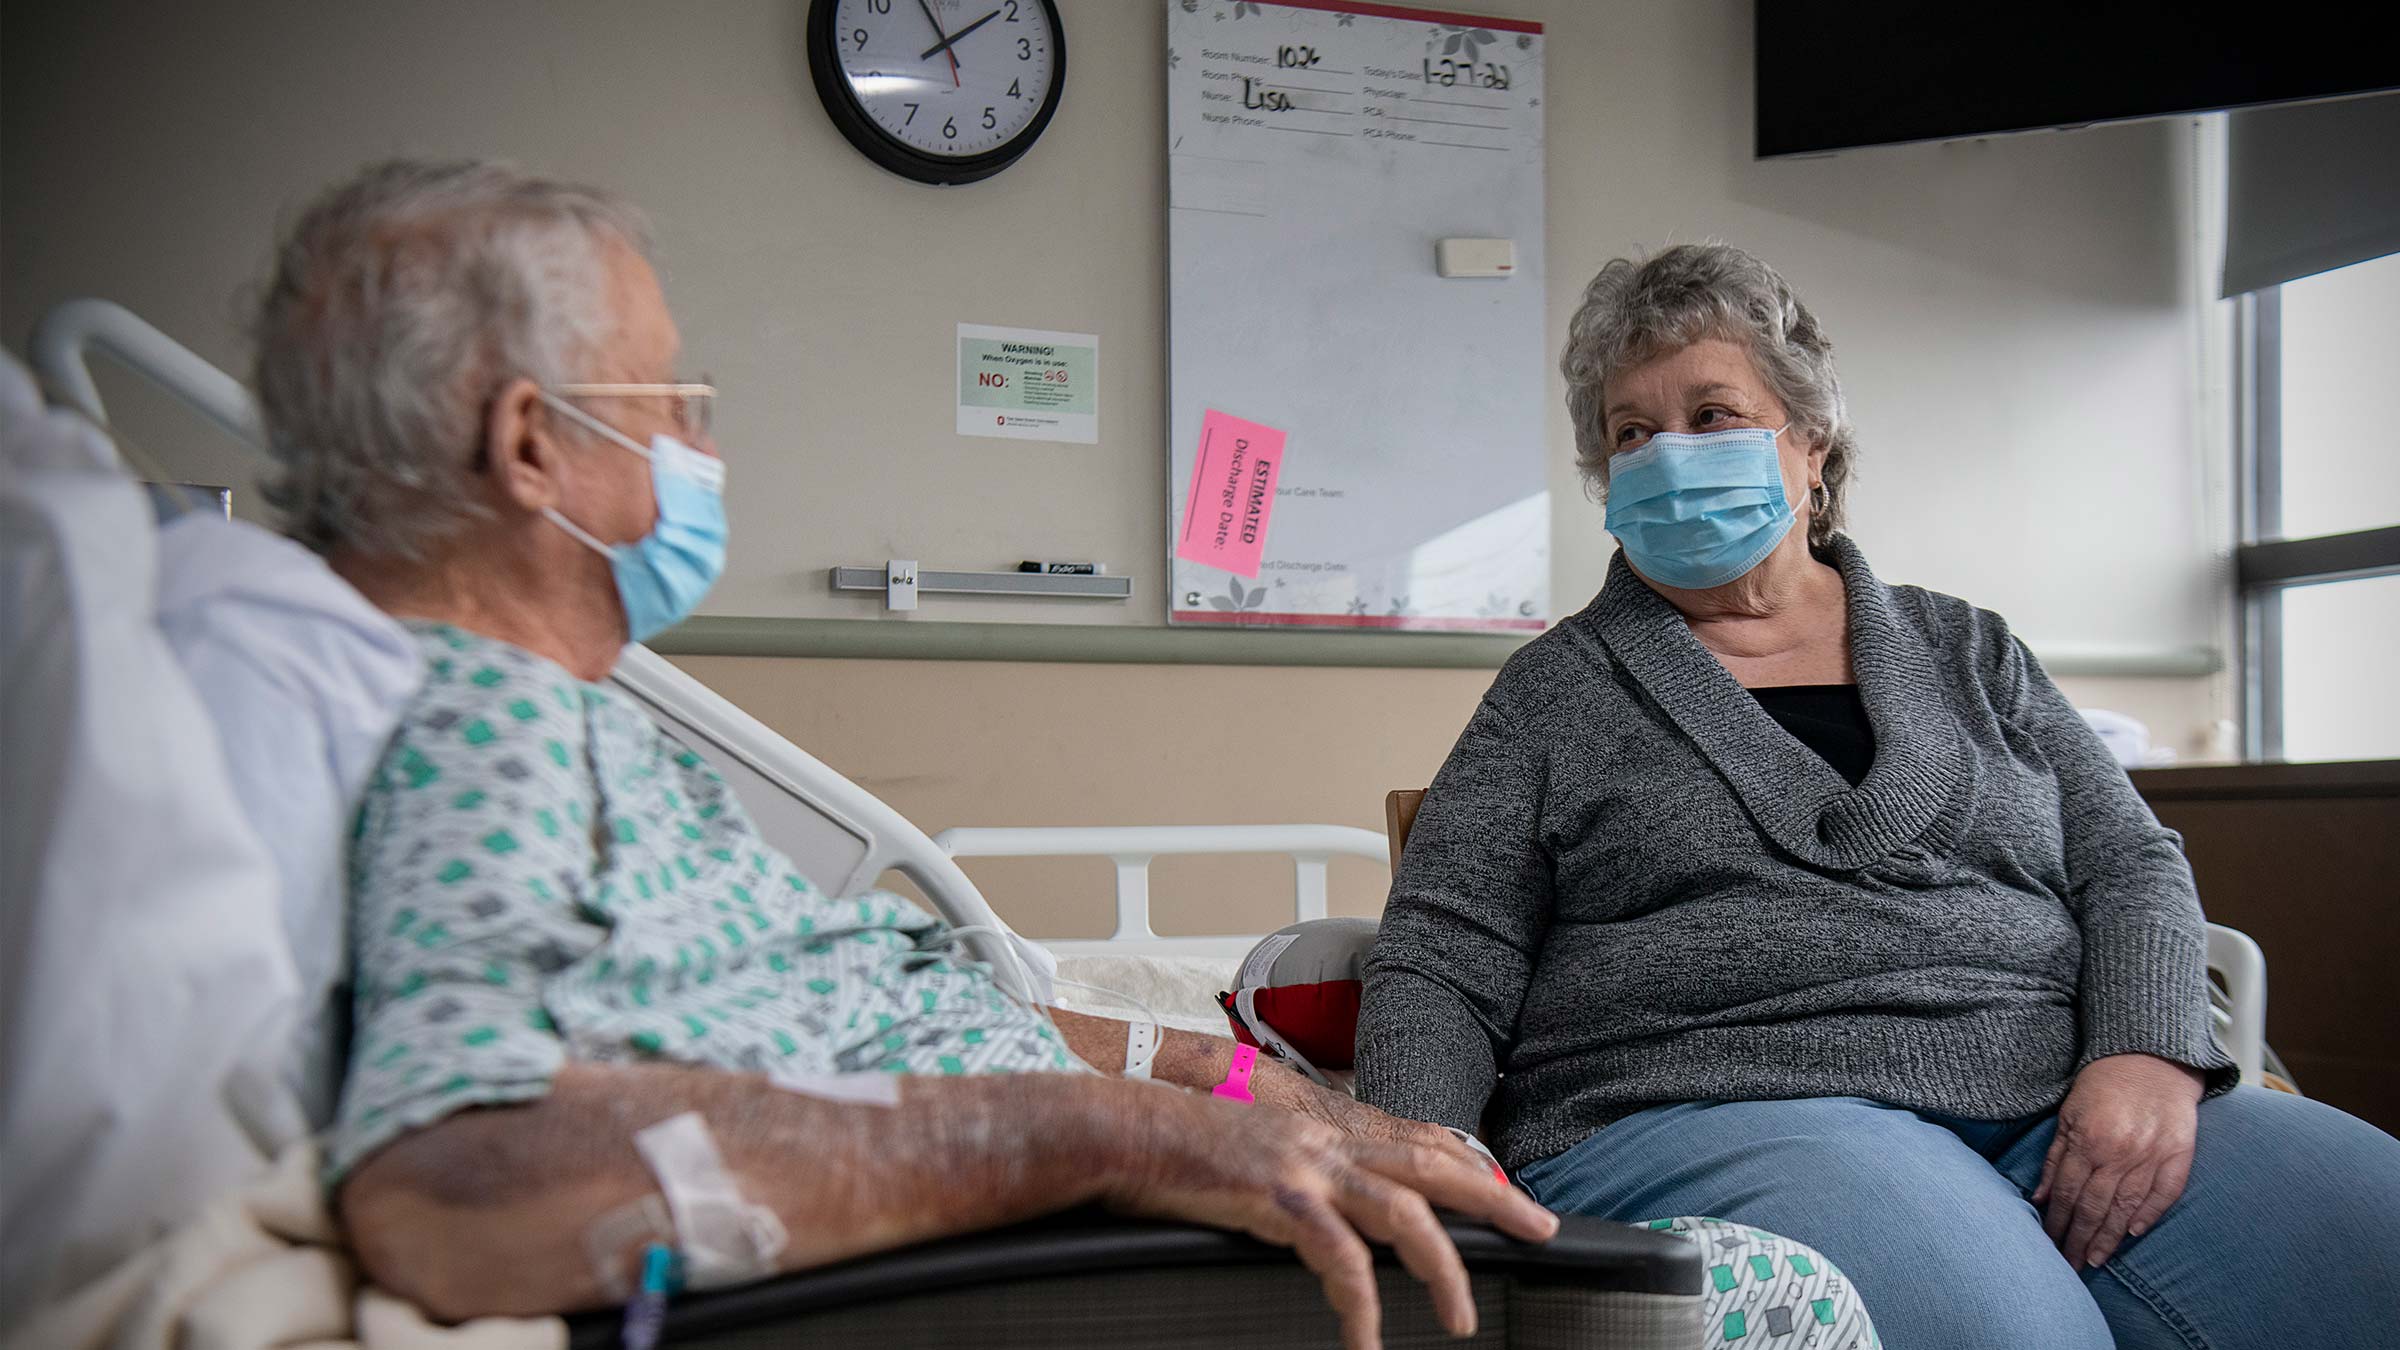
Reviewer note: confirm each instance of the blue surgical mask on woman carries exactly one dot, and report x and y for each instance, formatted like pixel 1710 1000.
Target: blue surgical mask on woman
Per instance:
pixel 662 575
pixel 1695 511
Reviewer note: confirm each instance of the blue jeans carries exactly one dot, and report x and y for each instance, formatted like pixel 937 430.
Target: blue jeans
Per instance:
pixel 2287 1235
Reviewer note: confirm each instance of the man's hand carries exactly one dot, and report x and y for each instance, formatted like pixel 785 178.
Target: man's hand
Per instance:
pixel 2121 1156
pixel 1353 1117
pixel 1194 1061
pixel 1309 1186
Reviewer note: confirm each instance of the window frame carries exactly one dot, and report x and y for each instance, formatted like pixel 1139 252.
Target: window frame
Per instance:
pixel 2264 565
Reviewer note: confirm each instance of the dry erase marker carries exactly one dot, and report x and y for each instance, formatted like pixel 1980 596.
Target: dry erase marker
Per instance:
pixel 1070 569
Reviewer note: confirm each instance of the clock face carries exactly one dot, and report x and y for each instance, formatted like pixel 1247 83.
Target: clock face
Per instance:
pixel 944 91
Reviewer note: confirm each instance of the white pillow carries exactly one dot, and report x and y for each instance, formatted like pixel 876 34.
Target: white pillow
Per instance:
pixel 146 993
pixel 304 680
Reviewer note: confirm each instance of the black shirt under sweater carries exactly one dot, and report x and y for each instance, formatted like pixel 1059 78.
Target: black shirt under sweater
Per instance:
pixel 1830 719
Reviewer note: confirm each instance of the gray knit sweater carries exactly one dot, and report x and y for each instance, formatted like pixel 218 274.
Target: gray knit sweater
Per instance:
pixel 1629 886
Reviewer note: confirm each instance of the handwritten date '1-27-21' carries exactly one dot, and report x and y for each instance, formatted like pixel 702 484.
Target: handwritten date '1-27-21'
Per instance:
pixel 1450 74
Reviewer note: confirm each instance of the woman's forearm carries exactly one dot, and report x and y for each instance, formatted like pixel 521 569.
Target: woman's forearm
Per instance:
pixel 1421 1052
pixel 2143 984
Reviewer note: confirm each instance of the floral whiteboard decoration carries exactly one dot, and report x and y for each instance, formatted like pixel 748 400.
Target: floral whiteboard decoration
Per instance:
pixel 1464 41
pixel 1237 599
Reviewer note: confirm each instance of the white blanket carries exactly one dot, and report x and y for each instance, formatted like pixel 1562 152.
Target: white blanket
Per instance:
pixel 146 992
pixel 1182 990
pixel 262 1269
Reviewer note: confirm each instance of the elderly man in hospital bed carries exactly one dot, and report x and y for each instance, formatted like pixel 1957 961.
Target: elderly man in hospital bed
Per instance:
pixel 566 932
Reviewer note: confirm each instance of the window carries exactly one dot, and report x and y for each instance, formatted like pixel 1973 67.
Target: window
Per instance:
pixel 2341 669
pixel 2319 560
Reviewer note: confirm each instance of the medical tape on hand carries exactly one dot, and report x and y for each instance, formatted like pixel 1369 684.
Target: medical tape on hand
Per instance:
pixel 1478 1145
pixel 627 1228
pixel 722 1238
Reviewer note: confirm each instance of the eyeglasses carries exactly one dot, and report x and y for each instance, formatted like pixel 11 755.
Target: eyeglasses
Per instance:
pixel 695 404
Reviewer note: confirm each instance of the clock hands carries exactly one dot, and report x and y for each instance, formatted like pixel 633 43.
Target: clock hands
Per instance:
pixel 944 46
pixel 945 43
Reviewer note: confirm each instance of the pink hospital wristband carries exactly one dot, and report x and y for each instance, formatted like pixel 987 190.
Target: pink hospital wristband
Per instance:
pixel 1237 1075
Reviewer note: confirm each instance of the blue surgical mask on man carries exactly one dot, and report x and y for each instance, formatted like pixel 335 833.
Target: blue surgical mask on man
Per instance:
pixel 662 575
pixel 1695 511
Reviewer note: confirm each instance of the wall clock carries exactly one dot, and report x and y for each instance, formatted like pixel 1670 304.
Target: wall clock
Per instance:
pixel 941 91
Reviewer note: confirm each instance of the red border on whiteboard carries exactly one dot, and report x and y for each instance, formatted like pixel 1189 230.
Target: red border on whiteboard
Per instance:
pixel 1408 12
pixel 1250 619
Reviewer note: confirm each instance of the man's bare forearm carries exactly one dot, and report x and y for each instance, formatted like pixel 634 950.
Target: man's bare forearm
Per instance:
pixel 1185 1058
pixel 1200 1062
pixel 486 1211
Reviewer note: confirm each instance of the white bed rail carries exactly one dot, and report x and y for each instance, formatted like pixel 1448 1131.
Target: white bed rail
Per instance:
pixel 67 333
pixel 1132 848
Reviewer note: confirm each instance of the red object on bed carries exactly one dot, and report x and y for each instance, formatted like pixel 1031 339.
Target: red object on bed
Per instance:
pixel 1296 996
pixel 1319 1020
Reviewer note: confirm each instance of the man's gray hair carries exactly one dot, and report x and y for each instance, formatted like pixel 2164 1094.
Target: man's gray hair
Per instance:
pixel 1635 311
pixel 401 302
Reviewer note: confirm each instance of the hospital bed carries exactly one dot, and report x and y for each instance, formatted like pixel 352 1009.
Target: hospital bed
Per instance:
pixel 1081 1278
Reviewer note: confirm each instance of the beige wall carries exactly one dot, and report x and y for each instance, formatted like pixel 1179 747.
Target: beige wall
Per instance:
pixel 2014 320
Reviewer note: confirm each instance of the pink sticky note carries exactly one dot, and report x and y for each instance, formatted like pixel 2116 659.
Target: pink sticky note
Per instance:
pixel 1233 494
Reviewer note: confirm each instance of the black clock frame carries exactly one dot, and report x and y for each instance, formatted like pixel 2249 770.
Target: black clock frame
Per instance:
pixel 841 104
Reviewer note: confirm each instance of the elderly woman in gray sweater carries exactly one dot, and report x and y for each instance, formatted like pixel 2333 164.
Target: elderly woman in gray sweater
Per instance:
pixel 1764 889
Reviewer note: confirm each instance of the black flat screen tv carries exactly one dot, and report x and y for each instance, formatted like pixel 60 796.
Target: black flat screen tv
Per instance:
pixel 1836 74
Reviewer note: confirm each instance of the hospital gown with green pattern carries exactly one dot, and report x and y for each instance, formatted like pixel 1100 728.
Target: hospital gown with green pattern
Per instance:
pixel 540 875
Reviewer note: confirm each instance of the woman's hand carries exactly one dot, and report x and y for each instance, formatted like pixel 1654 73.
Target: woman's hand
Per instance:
pixel 2121 1156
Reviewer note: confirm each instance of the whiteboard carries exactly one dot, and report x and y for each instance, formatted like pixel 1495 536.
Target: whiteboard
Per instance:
pixel 1317 152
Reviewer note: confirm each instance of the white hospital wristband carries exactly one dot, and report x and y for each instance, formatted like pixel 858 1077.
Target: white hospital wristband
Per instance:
pixel 1141 1046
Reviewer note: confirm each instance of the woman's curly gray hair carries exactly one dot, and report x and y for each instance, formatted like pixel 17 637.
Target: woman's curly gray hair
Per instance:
pixel 400 303
pixel 1635 311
